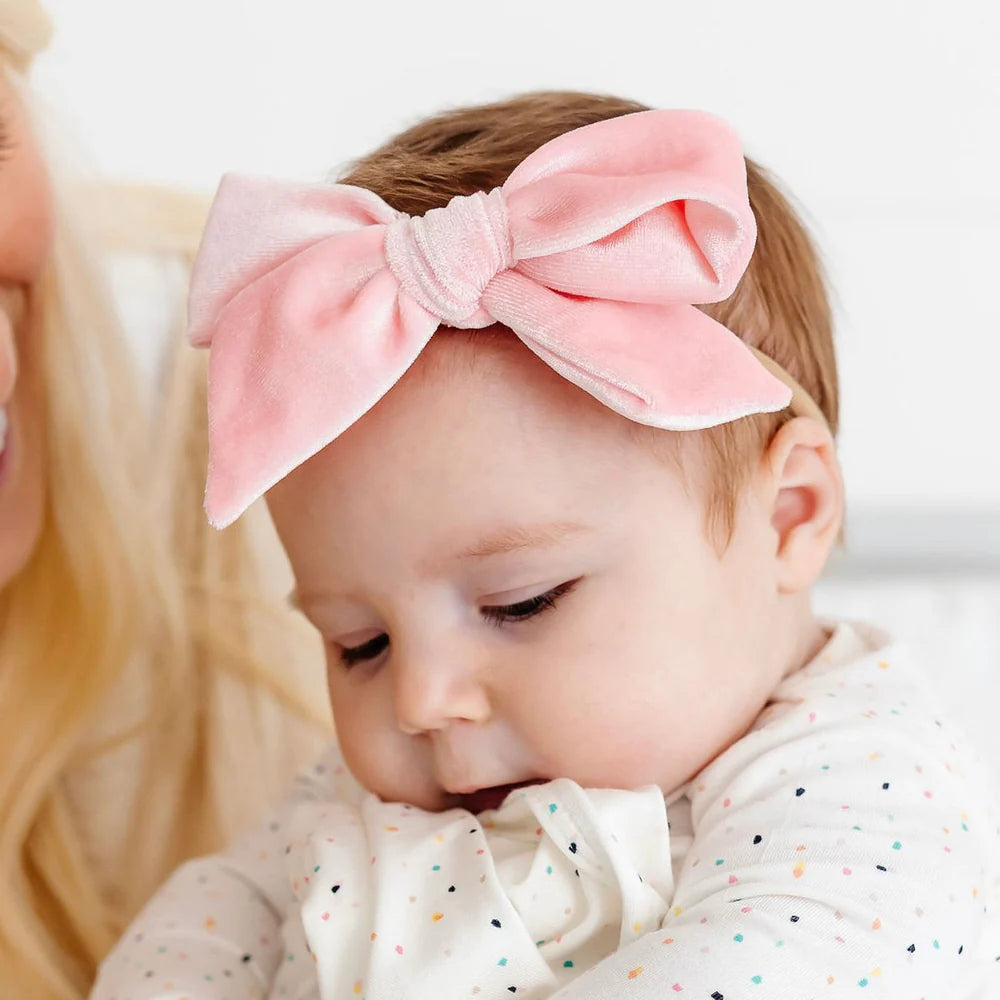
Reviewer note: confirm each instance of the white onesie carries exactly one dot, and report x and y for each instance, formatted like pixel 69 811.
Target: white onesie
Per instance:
pixel 846 846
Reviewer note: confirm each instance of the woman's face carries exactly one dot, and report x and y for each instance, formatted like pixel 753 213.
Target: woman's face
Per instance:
pixel 25 241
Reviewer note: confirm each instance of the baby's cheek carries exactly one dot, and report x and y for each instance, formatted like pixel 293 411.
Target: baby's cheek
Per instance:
pixel 640 717
pixel 360 731
pixel 373 760
pixel 386 761
pixel 595 733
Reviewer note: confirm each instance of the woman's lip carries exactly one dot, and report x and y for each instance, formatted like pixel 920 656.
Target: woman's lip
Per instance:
pixel 6 443
pixel 12 311
pixel 12 302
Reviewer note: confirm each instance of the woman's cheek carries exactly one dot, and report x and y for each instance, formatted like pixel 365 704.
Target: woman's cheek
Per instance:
pixel 26 207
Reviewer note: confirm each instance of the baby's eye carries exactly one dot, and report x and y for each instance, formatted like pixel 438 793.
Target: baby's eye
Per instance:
pixel 500 614
pixel 351 655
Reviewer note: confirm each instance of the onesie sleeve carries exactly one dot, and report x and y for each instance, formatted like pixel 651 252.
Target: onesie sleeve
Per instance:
pixel 842 848
pixel 213 930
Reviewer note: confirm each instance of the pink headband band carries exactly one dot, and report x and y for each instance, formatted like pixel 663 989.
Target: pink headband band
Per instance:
pixel 316 299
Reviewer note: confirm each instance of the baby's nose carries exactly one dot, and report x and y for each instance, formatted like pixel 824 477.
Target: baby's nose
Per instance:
pixel 432 693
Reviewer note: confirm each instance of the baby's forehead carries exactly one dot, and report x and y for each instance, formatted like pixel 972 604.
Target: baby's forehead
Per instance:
pixel 492 353
pixel 491 371
pixel 477 420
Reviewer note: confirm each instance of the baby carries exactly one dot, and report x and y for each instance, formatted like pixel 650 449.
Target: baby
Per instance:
pixel 557 522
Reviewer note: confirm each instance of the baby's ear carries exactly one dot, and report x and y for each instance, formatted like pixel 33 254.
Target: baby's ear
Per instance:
pixel 807 500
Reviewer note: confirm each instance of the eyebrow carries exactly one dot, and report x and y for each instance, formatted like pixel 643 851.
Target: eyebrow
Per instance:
pixel 521 537
pixel 505 540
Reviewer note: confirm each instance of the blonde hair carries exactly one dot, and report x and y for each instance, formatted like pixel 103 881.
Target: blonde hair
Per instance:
pixel 25 30
pixel 129 591
pixel 780 306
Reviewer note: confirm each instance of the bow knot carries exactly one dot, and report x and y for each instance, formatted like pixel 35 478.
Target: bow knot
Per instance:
pixel 445 258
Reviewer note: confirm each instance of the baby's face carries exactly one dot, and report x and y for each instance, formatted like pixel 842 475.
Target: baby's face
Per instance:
pixel 511 587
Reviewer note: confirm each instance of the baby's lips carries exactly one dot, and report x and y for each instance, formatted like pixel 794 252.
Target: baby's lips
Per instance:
pixel 494 796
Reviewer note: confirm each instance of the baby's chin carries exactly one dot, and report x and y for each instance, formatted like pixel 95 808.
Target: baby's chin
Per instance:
pixel 432 800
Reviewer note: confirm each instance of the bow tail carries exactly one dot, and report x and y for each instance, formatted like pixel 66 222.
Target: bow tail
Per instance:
pixel 295 363
pixel 667 366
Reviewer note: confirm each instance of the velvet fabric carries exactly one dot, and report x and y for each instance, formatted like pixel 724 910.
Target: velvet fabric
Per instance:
pixel 316 298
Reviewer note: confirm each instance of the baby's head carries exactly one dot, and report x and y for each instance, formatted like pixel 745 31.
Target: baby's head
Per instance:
pixel 513 582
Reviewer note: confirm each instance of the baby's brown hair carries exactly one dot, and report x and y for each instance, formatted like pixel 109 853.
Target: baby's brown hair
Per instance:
pixel 780 306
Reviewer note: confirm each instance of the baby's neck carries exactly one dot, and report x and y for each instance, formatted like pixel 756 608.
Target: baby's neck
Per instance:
pixel 807 635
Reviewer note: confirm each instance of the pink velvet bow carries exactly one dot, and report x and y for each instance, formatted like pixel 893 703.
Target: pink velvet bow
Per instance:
pixel 317 298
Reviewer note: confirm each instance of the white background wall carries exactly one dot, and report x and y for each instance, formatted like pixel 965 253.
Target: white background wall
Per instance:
pixel 882 116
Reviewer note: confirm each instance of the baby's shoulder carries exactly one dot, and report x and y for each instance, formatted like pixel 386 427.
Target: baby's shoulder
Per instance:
pixel 856 730
pixel 862 682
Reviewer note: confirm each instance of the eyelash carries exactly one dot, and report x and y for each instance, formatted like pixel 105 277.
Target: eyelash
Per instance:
pixel 498 615
pixel 6 145
pixel 531 608
pixel 352 655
